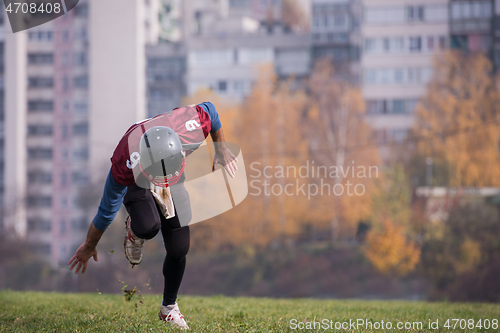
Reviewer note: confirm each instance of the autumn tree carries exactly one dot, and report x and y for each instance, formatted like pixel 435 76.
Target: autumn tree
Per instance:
pixel 461 255
pixel 267 127
pixel 339 138
pixel 390 251
pixel 457 122
pixel 226 109
pixel 390 244
pixel 271 136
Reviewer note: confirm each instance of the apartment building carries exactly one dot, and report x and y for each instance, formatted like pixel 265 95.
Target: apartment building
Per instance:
pixel 72 90
pixel 473 27
pixel 57 128
pixel 400 39
pixel 165 76
pixel 12 129
pixel 221 17
pixel 230 65
pixel 336 34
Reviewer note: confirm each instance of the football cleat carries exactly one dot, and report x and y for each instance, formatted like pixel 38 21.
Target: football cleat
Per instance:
pixel 134 246
pixel 172 315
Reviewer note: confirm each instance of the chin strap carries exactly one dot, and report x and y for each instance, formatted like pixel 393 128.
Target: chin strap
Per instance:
pixel 162 181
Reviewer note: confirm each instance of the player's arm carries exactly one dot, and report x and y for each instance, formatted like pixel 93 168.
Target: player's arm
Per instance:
pixel 111 201
pixel 223 155
pixel 86 250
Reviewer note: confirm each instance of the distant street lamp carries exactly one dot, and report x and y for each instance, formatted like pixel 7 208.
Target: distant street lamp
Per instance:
pixel 428 161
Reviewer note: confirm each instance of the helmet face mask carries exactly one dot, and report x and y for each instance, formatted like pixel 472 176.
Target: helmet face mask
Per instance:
pixel 162 156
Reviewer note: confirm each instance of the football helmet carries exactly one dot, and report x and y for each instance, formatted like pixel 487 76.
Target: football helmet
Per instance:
pixel 162 157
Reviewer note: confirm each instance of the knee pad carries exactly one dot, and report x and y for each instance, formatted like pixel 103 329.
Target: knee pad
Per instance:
pixel 146 234
pixel 178 252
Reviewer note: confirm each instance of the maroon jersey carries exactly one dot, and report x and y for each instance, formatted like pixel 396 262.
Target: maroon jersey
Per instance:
pixel 192 124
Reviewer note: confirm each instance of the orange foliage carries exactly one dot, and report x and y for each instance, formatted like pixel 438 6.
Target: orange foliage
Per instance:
pixel 457 122
pixel 339 136
pixel 390 251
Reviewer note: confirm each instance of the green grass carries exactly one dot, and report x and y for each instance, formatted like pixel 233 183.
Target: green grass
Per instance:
pixel 56 312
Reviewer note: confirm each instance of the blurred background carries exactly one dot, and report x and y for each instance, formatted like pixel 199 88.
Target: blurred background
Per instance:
pixel 405 88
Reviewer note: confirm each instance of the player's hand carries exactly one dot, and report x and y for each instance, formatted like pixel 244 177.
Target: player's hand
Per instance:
pixel 81 257
pixel 226 158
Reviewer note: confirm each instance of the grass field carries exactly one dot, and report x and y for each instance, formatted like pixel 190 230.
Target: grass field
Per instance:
pixel 55 312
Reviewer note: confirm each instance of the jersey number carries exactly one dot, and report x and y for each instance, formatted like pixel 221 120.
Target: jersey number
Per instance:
pixel 134 160
pixel 191 125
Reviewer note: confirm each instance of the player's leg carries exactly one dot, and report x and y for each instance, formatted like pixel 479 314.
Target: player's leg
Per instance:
pixel 177 241
pixel 176 237
pixel 143 221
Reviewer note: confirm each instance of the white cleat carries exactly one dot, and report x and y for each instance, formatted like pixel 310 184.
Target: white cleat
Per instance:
pixel 134 246
pixel 171 314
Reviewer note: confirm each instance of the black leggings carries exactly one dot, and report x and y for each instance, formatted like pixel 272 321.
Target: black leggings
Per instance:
pixel 146 220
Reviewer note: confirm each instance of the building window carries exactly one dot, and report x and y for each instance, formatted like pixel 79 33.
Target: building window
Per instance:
pixel 64 131
pixel 415 44
pixel 399 75
pixel 395 106
pixel 399 134
pixel 39 225
pixel 398 106
pixel 81 129
pixel 80 59
pixel 40 105
pixel 376 106
pixel 40 82
pixel 386 44
pixel 40 58
pixel 64 179
pixel 370 45
pixel 471 10
pixel 80 223
pixel 40 177
pixel 65 59
pixel 397 44
pixel 39 130
pixel 81 82
pixel 459 42
pixel 385 76
pixel 222 86
pixel 80 177
pixel 370 76
pixel 40 201
pixel 81 154
pixel 41 36
pixel 64 154
pixel 65 106
pixel 385 15
pixel 239 3
pixel 340 22
pixel 65 83
pixel 239 86
pixel 40 153
pixel 62 224
pixel 415 13
pixel 65 36
pixel 456 10
pixel 80 107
